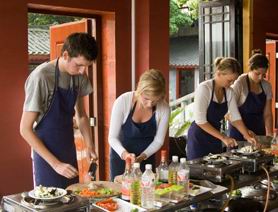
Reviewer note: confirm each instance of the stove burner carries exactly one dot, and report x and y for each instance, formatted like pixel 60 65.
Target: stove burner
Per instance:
pixel 215 163
pixel 214 169
pixel 258 192
pixel 251 162
pixel 40 204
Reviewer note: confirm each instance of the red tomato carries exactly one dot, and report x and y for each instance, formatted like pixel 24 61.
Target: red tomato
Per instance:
pixel 163 185
pixel 108 204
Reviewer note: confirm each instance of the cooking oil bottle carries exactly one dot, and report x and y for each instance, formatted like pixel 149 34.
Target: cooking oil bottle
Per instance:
pixel 173 170
pixel 135 188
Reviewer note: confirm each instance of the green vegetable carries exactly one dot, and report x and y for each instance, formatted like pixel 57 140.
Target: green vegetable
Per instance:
pixel 236 193
pixel 134 210
pixel 105 191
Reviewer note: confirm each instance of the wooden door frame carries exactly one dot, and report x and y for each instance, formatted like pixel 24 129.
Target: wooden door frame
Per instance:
pixel 97 109
pixel 274 37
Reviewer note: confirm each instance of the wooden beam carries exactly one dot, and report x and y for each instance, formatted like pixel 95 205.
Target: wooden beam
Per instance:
pixel 247 32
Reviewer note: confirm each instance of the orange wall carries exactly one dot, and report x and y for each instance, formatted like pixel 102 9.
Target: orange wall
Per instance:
pixel 15 162
pixel 264 21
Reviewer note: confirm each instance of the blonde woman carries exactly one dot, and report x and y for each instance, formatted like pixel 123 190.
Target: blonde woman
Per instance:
pixel 254 98
pixel 139 122
pixel 213 99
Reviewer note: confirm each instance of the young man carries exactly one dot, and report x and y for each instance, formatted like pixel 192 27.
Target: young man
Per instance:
pixel 54 92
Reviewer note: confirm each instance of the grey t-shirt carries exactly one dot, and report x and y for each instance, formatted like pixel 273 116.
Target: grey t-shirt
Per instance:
pixel 39 87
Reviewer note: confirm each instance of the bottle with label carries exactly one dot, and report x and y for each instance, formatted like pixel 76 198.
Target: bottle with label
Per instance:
pixel 127 180
pixel 173 169
pixel 183 175
pixel 135 190
pixel 147 185
pixel 162 169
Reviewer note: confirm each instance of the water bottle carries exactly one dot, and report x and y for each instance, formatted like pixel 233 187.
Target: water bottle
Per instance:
pixel 135 189
pixel 147 185
pixel 183 175
pixel 173 169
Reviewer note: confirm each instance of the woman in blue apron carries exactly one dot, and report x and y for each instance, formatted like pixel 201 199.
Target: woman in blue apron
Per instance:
pixel 54 155
pixel 254 98
pixel 139 122
pixel 213 99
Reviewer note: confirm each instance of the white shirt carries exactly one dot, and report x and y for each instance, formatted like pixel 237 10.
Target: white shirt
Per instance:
pixel 121 109
pixel 241 89
pixel 202 101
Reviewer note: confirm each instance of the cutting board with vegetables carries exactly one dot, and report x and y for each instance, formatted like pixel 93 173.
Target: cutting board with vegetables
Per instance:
pixel 96 189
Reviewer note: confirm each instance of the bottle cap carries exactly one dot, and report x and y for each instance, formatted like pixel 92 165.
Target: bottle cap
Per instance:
pixel 183 160
pixel 148 166
pixel 136 165
pixel 175 158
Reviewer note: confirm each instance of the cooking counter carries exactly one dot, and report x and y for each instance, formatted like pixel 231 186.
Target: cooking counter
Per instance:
pixel 218 192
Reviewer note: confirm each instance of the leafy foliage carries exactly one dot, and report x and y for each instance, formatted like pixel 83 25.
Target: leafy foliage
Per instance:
pixel 36 19
pixel 174 114
pixel 182 17
pixel 180 120
pixel 181 131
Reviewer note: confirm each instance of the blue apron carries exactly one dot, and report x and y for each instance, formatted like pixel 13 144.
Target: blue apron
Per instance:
pixel 56 132
pixel 252 114
pixel 200 143
pixel 136 137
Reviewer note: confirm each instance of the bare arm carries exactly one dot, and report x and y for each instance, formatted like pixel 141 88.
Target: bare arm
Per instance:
pixel 244 131
pixel 229 142
pixel 83 124
pixel 268 117
pixel 26 131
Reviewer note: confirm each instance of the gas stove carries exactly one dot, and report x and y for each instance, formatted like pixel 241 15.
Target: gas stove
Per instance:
pixel 214 170
pixel 22 202
pixel 252 162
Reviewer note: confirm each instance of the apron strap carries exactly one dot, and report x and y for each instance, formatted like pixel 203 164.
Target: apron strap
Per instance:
pixel 57 73
pixel 213 85
pixel 54 92
pixel 248 83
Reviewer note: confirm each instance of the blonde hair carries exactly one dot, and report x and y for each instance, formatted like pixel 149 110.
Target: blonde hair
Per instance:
pixel 227 65
pixel 151 83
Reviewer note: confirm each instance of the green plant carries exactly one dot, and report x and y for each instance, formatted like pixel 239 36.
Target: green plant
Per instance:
pixel 174 114
pixel 178 125
pixel 181 131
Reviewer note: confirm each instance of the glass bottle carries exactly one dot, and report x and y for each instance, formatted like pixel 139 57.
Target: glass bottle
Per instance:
pixel 183 175
pixel 173 169
pixel 127 180
pixel 162 169
pixel 135 191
